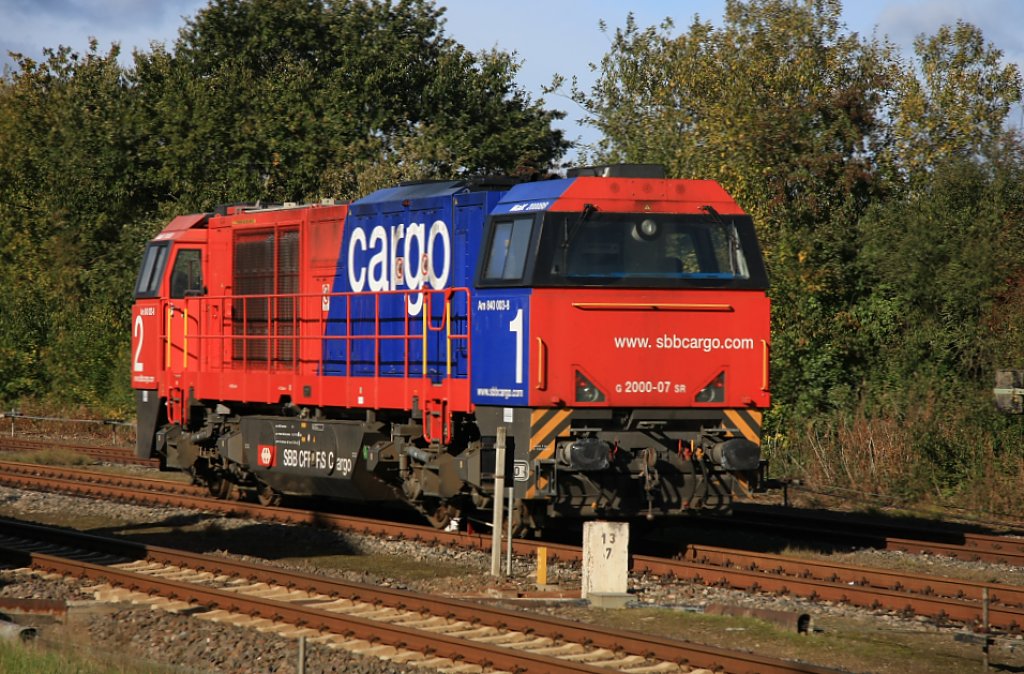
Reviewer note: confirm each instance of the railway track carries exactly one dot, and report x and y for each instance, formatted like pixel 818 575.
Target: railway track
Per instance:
pixel 435 631
pixel 943 599
pixel 96 452
pixel 849 529
pixel 842 528
pixel 124 485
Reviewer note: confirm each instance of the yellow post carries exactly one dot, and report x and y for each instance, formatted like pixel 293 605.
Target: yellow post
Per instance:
pixel 448 335
pixel 542 566
pixel 167 357
pixel 184 339
pixel 425 311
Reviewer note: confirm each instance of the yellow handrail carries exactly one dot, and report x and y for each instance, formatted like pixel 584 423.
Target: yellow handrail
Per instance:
pixel 184 340
pixel 764 365
pixel 167 337
pixel 542 366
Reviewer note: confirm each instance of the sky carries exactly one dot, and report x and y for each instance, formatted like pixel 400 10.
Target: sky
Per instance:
pixel 548 36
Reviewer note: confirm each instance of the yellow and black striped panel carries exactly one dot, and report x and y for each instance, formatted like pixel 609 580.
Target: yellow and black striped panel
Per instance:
pixel 545 427
pixel 747 422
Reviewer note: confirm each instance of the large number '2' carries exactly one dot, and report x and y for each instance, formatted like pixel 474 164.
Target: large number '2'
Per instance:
pixel 138 332
pixel 516 326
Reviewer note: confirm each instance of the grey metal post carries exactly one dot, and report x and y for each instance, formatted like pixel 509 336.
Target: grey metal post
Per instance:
pixel 302 655
pixel 508 555
pixel 499 489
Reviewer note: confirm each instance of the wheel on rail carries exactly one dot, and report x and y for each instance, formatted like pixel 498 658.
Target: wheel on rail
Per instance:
pixel 268 496
pixel 443 516
pixel 219 487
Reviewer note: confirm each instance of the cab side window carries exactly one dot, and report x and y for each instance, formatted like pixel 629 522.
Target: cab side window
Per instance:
pixel 187 274
pixel 152 271
pixel 510 244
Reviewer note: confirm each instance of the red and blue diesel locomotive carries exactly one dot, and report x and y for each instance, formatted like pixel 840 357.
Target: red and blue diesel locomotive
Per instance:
pixel 616 324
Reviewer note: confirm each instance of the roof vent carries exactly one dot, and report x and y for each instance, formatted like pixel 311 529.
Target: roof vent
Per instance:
pixel 618 171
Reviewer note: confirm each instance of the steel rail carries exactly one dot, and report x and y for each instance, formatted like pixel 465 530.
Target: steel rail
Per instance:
pixel 963 545
pixel 439 645
pixel 825 583
pixel 848 574
pixel 100 453
pixel 966 545
pixel 943 608
pixel 107 479
pixel 630 643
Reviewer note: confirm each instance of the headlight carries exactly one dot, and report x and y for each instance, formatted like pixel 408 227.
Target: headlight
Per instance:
pixel 645 231
pixel 713 392
pixel 586 392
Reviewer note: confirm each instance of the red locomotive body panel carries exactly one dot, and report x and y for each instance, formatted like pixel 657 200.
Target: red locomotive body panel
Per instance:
pixel 639 195
pixel 650 348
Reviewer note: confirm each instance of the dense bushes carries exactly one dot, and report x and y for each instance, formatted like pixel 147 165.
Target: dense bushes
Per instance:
pixel 888 194
pixel 260 100
pixel 887 189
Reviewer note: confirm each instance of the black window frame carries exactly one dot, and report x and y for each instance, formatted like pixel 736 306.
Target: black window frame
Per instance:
pixel 553 232
pixel 490 230
pixel 154 277
pixel 547 243
pixel 191 287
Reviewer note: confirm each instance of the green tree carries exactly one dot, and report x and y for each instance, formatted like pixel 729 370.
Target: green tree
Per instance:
pixel 781 106
pixel 68 140
pixel 272 100
pixel 952 101
pixel 293 100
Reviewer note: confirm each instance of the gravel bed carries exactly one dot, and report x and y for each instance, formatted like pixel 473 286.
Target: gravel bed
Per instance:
pixel 201 646
pixel 182 643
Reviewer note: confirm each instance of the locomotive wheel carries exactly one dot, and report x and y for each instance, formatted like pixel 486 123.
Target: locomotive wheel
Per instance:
pixel 219 487
pixel 268 496
pixel 441 516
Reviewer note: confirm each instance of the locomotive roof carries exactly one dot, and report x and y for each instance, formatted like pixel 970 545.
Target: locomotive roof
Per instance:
pixel 626 194
pixel 413 191
pixel 436 188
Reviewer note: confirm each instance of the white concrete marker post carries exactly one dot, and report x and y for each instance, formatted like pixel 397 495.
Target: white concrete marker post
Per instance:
pixel 499 491
pixel 606 563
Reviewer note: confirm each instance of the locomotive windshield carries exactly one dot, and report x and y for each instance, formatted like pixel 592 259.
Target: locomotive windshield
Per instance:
pixel 594 248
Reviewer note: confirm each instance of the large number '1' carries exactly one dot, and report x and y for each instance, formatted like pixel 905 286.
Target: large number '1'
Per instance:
pixel 516 326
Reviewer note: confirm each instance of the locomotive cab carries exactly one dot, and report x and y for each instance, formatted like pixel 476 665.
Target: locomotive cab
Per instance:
pixel 170 279
pixel 633 322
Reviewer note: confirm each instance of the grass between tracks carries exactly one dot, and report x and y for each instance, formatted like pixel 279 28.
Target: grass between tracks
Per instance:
pixel 851 644
pixel 49 457
pixel 36 657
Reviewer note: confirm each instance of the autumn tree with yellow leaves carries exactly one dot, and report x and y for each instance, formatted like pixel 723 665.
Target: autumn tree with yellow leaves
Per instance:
pixel 887 192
